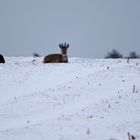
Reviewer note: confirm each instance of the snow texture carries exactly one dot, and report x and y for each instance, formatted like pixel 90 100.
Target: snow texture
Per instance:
pixel 85 99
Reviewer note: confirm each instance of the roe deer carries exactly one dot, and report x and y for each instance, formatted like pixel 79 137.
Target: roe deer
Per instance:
pixel 58 58
pixel 2 59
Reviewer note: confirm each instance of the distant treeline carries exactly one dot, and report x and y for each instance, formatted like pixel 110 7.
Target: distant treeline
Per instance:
pixel 115 54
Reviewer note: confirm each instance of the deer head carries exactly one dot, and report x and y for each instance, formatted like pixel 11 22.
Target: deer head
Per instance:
pixel 64 48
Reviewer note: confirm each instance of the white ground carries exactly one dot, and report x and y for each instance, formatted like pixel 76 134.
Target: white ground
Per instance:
pixel 86 99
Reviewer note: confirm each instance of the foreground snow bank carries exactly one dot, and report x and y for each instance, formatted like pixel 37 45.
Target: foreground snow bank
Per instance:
pixel 85 99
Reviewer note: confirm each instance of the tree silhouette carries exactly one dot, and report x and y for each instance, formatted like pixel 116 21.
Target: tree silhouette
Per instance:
pixel 36 55
pixel 114 54
pixel 133 55
pixel 2 60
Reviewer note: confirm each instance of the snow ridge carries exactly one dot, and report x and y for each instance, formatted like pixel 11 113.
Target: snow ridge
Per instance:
pixel 85 99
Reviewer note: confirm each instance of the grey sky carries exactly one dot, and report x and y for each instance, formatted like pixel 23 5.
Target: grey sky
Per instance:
pixel 92 27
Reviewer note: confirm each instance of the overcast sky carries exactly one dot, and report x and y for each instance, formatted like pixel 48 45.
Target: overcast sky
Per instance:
pixel 91 27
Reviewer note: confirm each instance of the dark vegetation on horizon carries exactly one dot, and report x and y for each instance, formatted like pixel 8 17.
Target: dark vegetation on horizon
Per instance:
pixel 36 55
pixel 115 54
pixel 63 57
pixel 2 60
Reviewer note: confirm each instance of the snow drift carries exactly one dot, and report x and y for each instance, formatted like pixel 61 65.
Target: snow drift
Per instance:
pixel 86 99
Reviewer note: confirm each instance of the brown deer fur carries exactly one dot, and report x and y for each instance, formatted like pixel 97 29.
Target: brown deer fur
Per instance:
pixel 58 58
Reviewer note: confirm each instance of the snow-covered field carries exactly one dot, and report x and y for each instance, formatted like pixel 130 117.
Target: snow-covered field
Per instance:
pixel 86 99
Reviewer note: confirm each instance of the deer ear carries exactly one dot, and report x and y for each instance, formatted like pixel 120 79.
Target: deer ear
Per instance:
pixel 60 46
pixel 67 46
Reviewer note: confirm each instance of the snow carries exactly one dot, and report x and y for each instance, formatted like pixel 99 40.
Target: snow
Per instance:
pixel 85 99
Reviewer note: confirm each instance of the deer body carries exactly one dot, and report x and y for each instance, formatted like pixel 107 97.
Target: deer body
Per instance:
pixel 58 58
pixel 55 58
